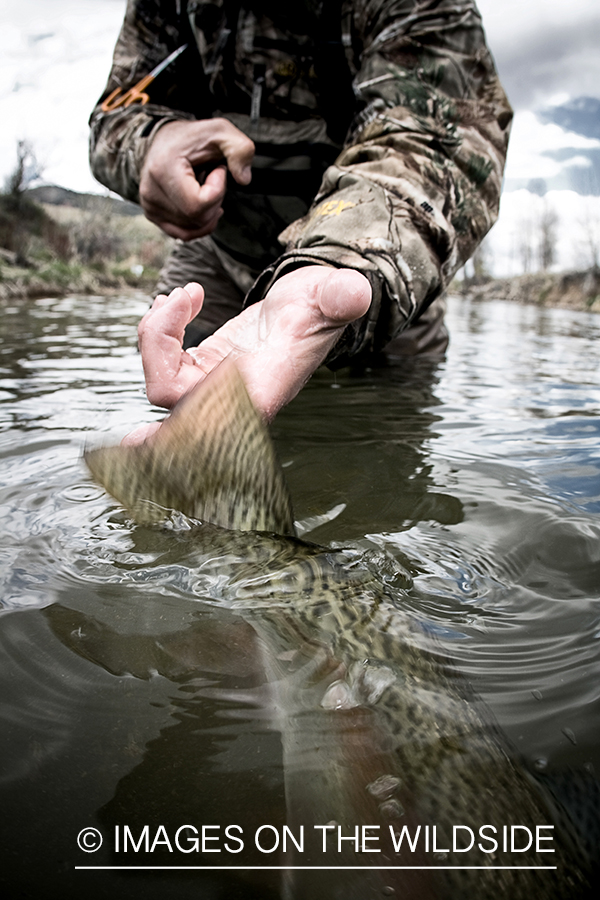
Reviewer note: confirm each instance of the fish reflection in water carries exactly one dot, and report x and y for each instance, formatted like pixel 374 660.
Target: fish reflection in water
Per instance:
pixel 376 728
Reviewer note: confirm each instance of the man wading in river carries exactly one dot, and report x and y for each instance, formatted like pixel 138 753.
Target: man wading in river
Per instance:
pixel 326 166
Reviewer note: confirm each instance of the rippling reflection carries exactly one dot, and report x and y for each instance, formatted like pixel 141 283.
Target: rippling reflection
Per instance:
pixel 121 667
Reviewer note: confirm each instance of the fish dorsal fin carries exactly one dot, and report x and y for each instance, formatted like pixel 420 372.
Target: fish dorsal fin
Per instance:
pixel 212 459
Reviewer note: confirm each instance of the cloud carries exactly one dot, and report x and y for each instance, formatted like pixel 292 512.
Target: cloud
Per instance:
pixel 582 115
pixel 54 60
pixel 533 141
pixel 542 48
pixel 543 156
pixel 564 59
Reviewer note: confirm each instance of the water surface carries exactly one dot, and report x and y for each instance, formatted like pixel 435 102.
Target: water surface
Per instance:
pixel 479 475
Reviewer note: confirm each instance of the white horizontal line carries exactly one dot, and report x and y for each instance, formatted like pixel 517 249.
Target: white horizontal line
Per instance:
pixel 307 868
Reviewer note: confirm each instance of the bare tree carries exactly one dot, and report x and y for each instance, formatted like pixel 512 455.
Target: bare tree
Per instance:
pixel 524 238
pixel 26 170
pixel 589 225
pixel 24 225
pixel 482 262
pixel 548 220
pixel 536 236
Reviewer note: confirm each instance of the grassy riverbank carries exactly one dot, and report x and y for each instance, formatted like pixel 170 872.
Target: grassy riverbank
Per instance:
pixel 560 290
pixel 54 241
pixel 54 277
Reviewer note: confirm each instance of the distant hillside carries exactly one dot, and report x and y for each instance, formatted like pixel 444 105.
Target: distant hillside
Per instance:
pixel 54 195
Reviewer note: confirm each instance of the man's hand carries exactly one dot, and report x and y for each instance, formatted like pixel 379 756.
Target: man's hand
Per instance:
pixel 277 343
pixel 170 193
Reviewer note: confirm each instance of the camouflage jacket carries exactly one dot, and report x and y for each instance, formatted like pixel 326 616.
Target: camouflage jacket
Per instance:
pixel 380 129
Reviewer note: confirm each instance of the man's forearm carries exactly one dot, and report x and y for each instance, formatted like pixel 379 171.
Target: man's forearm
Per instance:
pixel 418 184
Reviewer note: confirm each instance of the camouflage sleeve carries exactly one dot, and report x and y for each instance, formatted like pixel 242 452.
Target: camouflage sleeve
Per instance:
pixel 418 183
pixel 119 139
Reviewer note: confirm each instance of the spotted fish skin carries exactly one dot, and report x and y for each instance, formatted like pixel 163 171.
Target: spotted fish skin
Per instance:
pixel 384 731
pixel 376 728
pixel 212 459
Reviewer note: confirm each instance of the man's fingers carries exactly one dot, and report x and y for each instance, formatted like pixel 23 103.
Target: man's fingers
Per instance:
pixel 189 234
pixel 160 337
pixel 344 295
pixel 236 147
pixel 184 208
pixel 239 160
pixel 171 195
pixel 140 434
pixel 214 185
pixel 194 200
pixel 170 314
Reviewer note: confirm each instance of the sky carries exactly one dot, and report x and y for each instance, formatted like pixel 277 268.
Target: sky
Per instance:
pixel 55 56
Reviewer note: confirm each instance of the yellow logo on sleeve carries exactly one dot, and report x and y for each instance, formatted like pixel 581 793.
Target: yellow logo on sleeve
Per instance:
pixel 334 207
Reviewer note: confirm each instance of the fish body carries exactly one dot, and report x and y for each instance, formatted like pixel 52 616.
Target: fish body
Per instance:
pixel 377 729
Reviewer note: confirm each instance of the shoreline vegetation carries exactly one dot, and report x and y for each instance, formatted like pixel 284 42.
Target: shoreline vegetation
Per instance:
pixel 575 290
pixel 54 241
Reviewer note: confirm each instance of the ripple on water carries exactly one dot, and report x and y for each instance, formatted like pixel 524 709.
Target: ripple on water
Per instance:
pixel 478 476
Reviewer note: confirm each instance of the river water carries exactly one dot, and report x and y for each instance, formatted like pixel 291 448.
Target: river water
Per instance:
pixel 479 475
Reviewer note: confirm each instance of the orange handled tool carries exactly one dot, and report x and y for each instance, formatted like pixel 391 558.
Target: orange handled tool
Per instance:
pixel 136 93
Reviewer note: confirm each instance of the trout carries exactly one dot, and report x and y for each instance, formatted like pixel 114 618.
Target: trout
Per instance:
pixel 377 728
